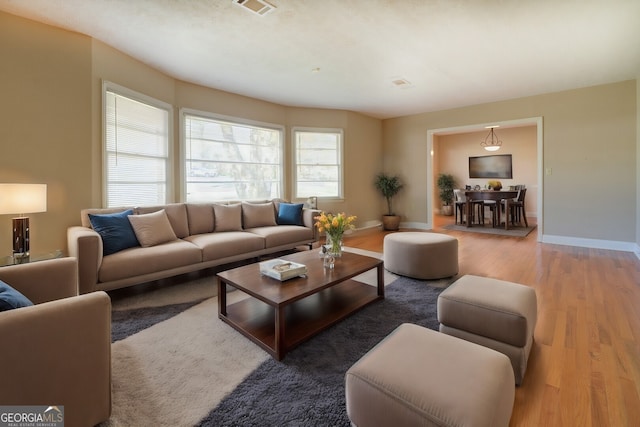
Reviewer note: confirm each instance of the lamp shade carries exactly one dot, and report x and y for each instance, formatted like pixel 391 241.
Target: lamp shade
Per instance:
pixel 23 198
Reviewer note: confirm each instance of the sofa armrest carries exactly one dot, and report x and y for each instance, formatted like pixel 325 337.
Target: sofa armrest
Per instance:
pixel 59 351
pixel 43 281
pixel 308 220
pixel 86 246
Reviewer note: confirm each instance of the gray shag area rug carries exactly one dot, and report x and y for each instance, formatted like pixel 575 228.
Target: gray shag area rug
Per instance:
pixel 129 322
pixel 306 388
pixel 174 363
pixel 249 388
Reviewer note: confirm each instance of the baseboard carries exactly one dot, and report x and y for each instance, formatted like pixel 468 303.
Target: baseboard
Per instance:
pixel 417 225
pixel 592 243
pixel 369 225
pixel 556 240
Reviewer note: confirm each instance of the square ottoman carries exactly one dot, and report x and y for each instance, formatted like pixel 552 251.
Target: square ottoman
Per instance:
pixel 493 313
pixel 420 377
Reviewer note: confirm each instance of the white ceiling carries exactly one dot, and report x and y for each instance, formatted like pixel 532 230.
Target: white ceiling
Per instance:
pixel 454 53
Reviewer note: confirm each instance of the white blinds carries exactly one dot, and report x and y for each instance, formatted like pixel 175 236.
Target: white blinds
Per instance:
pixel 136 152
pixel 227 160
pixel 318 168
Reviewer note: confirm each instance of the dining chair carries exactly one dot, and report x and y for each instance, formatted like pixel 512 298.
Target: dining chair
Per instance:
pixel 514 199
pixel 516 207
pixel 461 205
pixel 495 214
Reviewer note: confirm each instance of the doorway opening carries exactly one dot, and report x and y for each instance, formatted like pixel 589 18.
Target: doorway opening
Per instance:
pixel 432 194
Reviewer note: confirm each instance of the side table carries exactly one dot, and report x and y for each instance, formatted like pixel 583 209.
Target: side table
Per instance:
pixel 11 260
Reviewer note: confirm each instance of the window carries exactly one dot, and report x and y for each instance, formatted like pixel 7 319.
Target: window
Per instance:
pixel 137 131
pixel 317 163
pixel 229 159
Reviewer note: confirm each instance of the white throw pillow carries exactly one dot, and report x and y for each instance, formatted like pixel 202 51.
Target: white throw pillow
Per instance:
pixel 153 228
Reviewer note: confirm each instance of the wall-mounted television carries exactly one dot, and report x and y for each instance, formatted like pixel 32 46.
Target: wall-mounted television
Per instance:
pixel 496 166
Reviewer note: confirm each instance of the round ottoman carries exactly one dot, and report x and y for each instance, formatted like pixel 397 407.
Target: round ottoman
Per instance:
pixel 421 255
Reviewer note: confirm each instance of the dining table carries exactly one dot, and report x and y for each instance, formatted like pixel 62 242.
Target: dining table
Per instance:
pixel 497 195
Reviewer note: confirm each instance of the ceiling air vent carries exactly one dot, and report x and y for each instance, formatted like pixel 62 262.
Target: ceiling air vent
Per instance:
pixel 401 82
pixel 259 7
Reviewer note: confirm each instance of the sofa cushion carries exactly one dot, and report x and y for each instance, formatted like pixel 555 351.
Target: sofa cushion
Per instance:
pixel 258 215
pixel 290 213
pixel 11 298
pixel 223 245
pixel 227 217
pixel 177 214
pixel 115 230
pixel 200 218
pixel 153 228
pixel 283 235
pixel 139 261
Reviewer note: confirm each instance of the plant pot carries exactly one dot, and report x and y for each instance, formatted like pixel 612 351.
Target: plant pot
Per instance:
pixel 391 222
pixel 447 210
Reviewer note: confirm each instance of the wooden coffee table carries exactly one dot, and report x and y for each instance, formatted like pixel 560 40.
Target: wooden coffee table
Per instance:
pixel 280 315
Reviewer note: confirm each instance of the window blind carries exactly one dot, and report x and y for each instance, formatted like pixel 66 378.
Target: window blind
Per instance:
pixel 227 160
pixel 318 163
pixel 136 152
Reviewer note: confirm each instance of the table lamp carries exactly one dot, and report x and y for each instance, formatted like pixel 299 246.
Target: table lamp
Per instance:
pixel 21 199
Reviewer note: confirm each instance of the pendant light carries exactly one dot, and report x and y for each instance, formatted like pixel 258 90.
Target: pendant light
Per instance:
pixel 491 142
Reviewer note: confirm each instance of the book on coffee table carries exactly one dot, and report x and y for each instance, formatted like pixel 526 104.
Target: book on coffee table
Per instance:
pixel 281 269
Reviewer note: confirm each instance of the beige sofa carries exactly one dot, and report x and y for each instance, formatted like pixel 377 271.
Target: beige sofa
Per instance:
pixel 58 351
pixel 206 235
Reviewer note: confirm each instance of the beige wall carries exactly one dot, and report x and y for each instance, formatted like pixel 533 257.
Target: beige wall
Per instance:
pixel 111 65
pixel 51 125
pixel 45 124
pixel 638 167
pixel 451 155
pixel 589 142
pixel 362 159
pixel 362 141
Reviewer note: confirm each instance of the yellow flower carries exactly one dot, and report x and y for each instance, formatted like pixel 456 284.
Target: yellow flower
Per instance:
pixel 334 225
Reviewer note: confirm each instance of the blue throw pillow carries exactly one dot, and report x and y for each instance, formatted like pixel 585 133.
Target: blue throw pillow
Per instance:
pixel 115 230
pixel 290 214
pixel 10 298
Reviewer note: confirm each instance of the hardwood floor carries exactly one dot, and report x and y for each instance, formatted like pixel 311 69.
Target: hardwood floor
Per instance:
pixel 584 367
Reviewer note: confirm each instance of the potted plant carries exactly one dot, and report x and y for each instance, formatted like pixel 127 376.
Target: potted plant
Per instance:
pixel 446 184
pixel 389 186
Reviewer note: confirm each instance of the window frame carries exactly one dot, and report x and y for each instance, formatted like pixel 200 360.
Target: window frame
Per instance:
pixel 184 112
pixel 108 86
pixel 294 162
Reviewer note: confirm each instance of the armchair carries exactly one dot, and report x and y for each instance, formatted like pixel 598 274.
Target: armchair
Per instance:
pixel 58 351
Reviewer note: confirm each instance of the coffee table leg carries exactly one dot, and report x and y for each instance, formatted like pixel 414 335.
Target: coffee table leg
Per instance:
pixel 222 298
pixel 279 339
pixel 381 280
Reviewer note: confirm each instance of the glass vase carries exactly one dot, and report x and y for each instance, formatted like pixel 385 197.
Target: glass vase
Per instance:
pixel 334 245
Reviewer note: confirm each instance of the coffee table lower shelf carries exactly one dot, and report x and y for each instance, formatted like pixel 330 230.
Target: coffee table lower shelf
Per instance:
pixel 303 318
